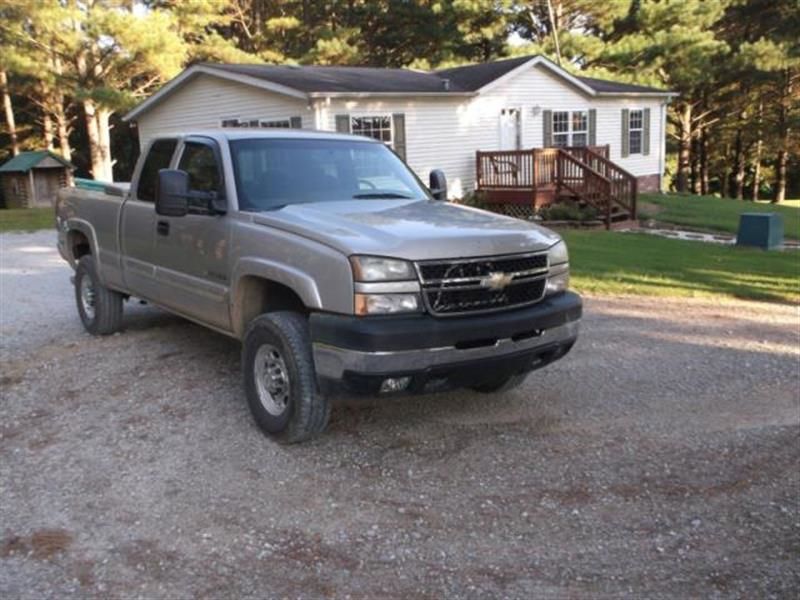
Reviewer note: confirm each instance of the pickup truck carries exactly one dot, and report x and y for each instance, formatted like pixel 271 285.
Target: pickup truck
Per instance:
pixel 330 261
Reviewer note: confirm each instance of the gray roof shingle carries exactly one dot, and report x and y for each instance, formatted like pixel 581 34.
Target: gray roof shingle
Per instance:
pixel 469 78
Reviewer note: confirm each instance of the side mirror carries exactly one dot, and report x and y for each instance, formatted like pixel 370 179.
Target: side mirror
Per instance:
pixel 438 184
pixel 172 193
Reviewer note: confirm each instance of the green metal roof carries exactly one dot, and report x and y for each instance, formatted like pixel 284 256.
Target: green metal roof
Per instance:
pixel 25 161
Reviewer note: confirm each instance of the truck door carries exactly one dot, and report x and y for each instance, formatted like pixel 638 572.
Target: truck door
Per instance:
pixel 138 221
pixel 192 251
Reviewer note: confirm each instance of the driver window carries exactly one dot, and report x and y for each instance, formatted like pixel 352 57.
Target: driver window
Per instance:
pixel 199 162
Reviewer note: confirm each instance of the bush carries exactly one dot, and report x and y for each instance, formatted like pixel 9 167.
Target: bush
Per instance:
pixel 567 211
pixel 475 199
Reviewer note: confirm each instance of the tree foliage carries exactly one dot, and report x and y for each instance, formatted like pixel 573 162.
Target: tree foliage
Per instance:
pixel 72 66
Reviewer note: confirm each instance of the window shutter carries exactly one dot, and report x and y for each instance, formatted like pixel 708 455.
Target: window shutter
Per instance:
pixel 296 122
pixel 646 131
pixel 547 128
pixel 343 123
pixel 399 134
pixel 592 127
pixel 626 138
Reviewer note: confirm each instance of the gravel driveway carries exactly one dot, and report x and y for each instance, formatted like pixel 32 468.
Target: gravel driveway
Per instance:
pixel 659 459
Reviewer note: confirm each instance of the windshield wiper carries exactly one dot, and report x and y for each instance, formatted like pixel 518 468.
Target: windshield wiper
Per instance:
pixel 378 195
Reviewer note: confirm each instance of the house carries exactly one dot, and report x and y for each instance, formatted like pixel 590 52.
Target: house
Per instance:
pixel 439 119
pixel 33 179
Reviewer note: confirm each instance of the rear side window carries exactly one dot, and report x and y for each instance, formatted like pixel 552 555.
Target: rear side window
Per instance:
pixel 199 162
pixel 158 158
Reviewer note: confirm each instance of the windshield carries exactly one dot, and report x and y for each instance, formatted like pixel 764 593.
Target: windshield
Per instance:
pixel 272 172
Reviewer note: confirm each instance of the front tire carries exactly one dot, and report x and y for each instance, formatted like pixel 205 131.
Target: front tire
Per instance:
pixel 100 308
pixel 280 381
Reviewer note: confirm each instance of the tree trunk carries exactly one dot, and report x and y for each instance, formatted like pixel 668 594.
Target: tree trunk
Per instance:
pixel 9 113
pixel 738 166
pixel 704 161
pixel 780 176
pixel 725 179
pixel 757 154
pixel 63 131
pixel 684 147
pixel 783 133
pixel 47 130
pixel 694 171
pixel 63 128
pixel 103 116
pixel 101 167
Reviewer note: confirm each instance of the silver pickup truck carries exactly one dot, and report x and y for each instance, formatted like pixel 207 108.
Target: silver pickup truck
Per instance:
pixel 331 262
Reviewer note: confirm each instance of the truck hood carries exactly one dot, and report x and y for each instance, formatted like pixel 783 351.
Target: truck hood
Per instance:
pixel 413 230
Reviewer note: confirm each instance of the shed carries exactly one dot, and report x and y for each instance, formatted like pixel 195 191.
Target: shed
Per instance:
pixel 33 179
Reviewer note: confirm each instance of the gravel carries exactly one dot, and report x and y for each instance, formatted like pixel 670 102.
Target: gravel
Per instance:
pixel 659 459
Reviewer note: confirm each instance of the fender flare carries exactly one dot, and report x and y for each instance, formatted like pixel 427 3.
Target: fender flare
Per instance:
pixel 299 282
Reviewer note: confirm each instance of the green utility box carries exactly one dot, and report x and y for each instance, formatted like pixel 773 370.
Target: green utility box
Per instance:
pixel 763 230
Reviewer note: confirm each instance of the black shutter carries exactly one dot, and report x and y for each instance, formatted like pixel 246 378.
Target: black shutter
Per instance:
pixel 592 127
pixel 547 128
pixel 296 122
pixel 646 131
pixel 343 123
pixel 399 141
pixel 626 137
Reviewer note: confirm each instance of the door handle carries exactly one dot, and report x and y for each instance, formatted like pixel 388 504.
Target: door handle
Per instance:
pixel 162 227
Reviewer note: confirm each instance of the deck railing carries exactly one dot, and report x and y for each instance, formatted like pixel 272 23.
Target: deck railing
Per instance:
pixel 586 172
pixel 623 184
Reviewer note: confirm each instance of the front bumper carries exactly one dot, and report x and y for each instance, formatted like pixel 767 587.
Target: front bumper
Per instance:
pixel 442 353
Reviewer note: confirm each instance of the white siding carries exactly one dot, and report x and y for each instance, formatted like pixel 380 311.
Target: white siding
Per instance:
pixel 204 101
pixel 435 136
pixel 538 87
pixel 441 132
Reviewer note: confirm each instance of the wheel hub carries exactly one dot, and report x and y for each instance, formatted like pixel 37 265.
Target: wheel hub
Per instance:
pixel 87 298
pixel 272 380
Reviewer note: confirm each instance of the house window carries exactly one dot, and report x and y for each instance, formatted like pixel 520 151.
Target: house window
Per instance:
pixel 560 129
pixel 379 127
pixel 277 124
pixel 635 128
pixel 261 123
pixel 570 129
pixel 580 128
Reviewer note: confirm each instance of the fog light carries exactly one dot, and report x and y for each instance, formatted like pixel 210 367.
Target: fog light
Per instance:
pixel 394 384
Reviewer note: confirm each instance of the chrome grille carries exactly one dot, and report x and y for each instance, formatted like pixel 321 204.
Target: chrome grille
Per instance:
pixel 456 287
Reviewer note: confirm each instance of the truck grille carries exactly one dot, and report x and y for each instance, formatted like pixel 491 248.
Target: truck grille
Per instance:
pixel 457 287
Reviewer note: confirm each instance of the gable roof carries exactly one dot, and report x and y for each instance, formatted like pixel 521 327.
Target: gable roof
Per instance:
pixel 25 161
pixel 476 77
pixel 307 82
pixel 340 79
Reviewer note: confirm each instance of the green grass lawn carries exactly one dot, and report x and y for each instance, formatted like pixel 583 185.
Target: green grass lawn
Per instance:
pixel 709 213
pixel 26 219
pixel 606 262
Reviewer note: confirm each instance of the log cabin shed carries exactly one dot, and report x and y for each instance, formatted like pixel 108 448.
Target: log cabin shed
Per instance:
pixel 32 179
pixel 433 119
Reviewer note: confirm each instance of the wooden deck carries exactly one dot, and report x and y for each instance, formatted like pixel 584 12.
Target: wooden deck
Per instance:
pixel 531 179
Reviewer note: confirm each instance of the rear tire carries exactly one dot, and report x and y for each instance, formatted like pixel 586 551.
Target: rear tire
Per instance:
pixel 280 381
pixel 100 308
pixel 503 384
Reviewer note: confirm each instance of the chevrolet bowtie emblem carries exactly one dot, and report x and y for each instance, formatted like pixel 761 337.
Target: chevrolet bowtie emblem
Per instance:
pixel 496 281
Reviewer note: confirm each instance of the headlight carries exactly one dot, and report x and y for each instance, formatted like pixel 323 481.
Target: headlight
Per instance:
pixel 386 304
pixel 558 254
pixel 558 277
pixel 557 283
pixel 374 268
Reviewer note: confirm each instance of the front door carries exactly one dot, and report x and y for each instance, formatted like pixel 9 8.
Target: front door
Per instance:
pixel 510 129
pixel 192 251
pixel 138 223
